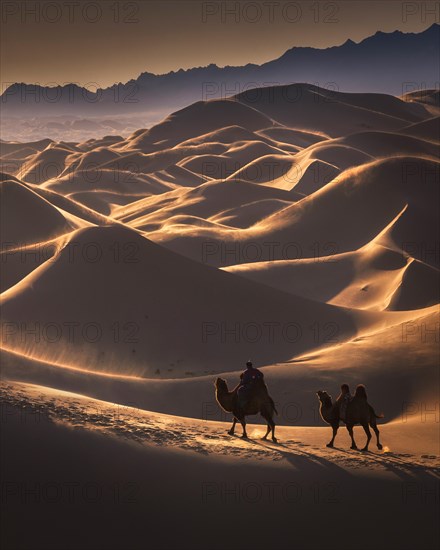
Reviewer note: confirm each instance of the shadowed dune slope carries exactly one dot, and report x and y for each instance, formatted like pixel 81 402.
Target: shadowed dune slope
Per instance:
pixel 28 218
pixel 427 129
pixel 310 108
pixel 372 278
pixel 156 297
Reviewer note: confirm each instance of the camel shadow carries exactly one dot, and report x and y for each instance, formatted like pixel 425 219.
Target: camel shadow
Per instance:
pixel 301 459
pixel 402 469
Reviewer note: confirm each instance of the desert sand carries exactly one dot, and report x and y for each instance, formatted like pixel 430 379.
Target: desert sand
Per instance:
pixel 302 234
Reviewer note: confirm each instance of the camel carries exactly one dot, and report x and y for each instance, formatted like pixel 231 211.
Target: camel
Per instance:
pixel 261 402
pixel 358 412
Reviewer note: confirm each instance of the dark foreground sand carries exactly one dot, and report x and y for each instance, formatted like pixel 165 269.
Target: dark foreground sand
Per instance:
pixel 84 473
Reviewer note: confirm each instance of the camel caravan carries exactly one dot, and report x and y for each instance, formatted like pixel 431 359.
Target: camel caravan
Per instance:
pixel 251 396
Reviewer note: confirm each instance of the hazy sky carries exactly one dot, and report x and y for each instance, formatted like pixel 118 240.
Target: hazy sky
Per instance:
pixel 102 42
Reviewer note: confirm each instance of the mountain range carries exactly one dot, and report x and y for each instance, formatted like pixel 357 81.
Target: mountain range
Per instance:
pixel 394 63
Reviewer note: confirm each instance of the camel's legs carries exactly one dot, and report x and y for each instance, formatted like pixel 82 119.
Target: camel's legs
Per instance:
pixel 231 431
pixel 243 423
pixel 368 433
pixel 353 442
pixel 267 432
pixel 242 419
pixel 376 431
pixel 335 431
pixel 274 439
pixel 270 424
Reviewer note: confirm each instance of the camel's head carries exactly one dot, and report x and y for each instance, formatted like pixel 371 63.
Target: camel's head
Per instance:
pixel 220 385
pixel 324 397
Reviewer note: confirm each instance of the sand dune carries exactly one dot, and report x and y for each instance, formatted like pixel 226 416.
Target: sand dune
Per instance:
pixel 97 157
pixel 348 201
pixel 382 144
pixel 298 138
pixel 28 218
pixel 374 358
pixel 427 97
pixel 152 281
pixel 45 165
pixel 105 202
pixel 18 262
pixel 197 119
pixel 419 286
pixel 310 175
pixel 231 160
pixel 232 134
pixel 11 147
pixel 206 200
pixel 249 214
pixel 107 180
pixel 307 107
pixel 107 141
pixel 271 170
pixel 68 205
pixel 427 129
pixel 374 271
pixel 372 278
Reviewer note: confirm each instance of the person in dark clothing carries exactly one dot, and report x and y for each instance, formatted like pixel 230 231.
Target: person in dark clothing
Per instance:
pixel 247 381
pixel 361 392
pixel 343 400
